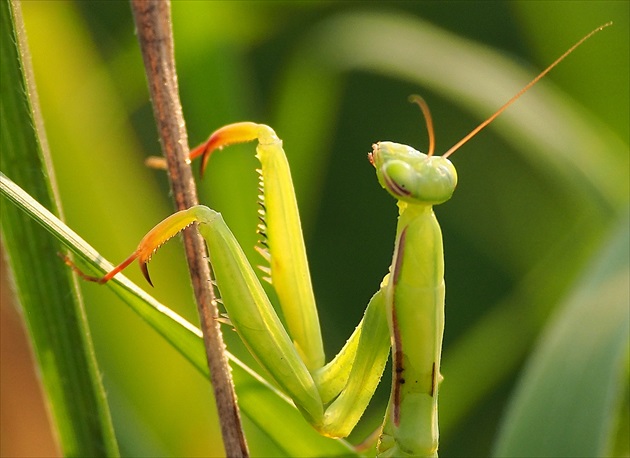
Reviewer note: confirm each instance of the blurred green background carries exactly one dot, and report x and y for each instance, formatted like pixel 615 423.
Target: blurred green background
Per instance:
pixel 539 191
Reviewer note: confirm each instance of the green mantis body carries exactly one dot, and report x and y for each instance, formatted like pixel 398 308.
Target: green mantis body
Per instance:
pixel 406 313
pixel 333 396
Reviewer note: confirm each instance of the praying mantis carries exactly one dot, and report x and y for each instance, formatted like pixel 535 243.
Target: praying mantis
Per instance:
pixel 406 314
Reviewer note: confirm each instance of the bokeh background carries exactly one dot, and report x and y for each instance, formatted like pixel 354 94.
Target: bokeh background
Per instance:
pixel 539 191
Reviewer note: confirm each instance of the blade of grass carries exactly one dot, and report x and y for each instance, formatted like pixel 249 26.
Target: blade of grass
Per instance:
pixel 569 396
pixel 48 296
pixel 268 409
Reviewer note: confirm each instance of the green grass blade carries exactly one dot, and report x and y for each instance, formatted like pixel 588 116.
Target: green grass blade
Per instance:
pixel 48 296
pixel 568 399
pixel 258 400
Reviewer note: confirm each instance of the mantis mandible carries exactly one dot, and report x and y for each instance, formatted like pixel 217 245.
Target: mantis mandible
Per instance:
pixel 406 313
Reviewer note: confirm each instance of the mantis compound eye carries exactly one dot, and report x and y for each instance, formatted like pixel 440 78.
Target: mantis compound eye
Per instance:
pixel 400 178
pixel 439 179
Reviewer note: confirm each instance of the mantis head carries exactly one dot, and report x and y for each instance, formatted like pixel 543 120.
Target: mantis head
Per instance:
pixel 412 176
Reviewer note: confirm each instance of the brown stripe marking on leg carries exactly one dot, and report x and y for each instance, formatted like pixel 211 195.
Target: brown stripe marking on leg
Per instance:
pixel 399 380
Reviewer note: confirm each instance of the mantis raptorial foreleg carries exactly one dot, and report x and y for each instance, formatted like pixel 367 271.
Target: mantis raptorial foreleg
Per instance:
pixel 406 313
pixel 332 397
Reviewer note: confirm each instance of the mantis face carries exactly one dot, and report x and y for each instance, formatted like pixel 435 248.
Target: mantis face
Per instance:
pixel 412 176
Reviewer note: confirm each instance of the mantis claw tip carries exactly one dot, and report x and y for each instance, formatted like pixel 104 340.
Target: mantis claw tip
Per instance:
pixel 145 271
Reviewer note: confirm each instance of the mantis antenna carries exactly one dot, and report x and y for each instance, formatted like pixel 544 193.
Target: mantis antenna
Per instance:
pixel 427 115
pixel 429 120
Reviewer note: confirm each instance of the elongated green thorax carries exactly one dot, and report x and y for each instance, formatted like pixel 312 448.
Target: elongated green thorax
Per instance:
pixel 414 296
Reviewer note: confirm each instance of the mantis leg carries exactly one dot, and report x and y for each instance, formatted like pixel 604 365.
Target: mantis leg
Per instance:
pixel 331 397
pixel 373 348
pixel 281 229
pixel 254 317
pixel 356 370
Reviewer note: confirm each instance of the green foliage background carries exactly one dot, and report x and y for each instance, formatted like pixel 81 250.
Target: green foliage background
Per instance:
pixel 517 235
